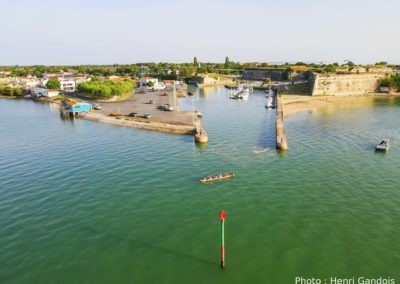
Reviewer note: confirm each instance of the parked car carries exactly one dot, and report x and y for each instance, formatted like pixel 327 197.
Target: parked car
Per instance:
pixel 133 114
pixel 168 107
pixel 146 115
pixel 97 107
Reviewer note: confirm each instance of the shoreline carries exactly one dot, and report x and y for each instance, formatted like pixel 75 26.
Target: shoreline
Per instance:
pixel 293 104
pixel 126 121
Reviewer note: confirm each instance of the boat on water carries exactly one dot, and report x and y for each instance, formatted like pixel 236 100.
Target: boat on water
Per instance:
pixel 270 102
pixel 384 145
pixel 233 96
pixel 269 92
pixel 244 95
pixel 242 92
pixel 217 177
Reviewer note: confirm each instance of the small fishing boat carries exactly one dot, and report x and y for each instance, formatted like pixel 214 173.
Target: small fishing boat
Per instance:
pixel 217 177
pixel 383 145
pixel 270 102
pixel 233 96
pixel 244 96
pixel 242 92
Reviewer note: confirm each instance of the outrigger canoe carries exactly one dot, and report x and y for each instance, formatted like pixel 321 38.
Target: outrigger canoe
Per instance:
pixel 217 177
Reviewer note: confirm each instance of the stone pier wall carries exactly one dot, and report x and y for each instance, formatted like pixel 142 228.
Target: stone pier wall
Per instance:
pixel 281 139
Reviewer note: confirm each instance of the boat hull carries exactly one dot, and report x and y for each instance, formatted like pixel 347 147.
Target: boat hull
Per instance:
pixel 218 177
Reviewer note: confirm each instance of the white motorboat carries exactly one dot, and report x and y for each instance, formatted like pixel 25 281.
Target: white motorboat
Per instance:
pixel 270 102
pixel 269 92
pixel 384 145
pixel 242 92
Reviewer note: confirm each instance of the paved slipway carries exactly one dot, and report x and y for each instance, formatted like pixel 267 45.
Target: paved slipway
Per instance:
pixel 85 202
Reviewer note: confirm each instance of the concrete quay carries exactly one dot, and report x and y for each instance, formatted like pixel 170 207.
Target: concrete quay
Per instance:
pixel 156 118
pixel 139 123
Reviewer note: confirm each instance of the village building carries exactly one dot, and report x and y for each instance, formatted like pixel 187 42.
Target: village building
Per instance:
pixel 67 85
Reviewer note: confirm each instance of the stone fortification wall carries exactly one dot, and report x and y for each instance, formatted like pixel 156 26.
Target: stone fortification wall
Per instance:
pixel 263 74
pixel 203 81
pixel 345 85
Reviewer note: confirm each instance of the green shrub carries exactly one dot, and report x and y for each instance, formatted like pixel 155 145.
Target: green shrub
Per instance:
pixel 105 89
pixel 10 92
pixel 391 81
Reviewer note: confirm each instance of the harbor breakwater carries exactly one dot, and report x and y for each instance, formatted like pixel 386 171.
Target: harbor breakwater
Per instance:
pixel 281 139
pixel 154 126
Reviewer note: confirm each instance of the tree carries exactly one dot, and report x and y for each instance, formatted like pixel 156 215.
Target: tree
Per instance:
pixel 287 73
pixel 195 63
pixel 227 62
pixel 387 82
pixel 18 92
pixel 7 91
pixel 381 63
pixel 392 81
pixel 53 84
pixel 202 70
pixel 330 68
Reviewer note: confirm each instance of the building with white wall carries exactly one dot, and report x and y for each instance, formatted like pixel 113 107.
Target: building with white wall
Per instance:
pixel 67 85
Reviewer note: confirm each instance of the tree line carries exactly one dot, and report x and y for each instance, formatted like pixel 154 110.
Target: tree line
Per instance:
pixel 164 70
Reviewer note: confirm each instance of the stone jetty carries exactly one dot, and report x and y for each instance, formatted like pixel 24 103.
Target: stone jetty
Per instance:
pixel 281 139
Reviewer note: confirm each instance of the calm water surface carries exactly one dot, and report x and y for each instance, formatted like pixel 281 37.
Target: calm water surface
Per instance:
pixel 83 202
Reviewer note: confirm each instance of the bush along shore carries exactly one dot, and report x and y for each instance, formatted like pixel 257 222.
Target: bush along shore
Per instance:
pixel 11 92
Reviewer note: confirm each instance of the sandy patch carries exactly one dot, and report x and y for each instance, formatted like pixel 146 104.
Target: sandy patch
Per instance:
pixel 330 104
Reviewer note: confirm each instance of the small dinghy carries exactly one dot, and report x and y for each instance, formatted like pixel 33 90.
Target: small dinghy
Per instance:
pixel 383 145
pixel 217 177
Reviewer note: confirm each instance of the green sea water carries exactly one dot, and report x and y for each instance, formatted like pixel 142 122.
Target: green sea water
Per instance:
pixel 83 202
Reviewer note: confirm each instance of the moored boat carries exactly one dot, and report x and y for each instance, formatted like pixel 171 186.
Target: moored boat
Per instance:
pixel 384 145
pixel 217 177
pixel 242 92
pixel 270 102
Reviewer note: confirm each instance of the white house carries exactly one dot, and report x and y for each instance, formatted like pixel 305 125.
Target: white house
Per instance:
pixel 67 85
pixel 41 92
pixel 52 93
pixel 81 79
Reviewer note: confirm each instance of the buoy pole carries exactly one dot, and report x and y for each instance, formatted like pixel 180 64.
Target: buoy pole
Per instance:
pixel 222 216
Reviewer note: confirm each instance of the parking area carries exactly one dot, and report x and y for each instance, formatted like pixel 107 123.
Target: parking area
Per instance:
pixel 151 103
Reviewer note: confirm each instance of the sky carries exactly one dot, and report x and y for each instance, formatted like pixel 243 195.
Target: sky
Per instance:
pixel 125 32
